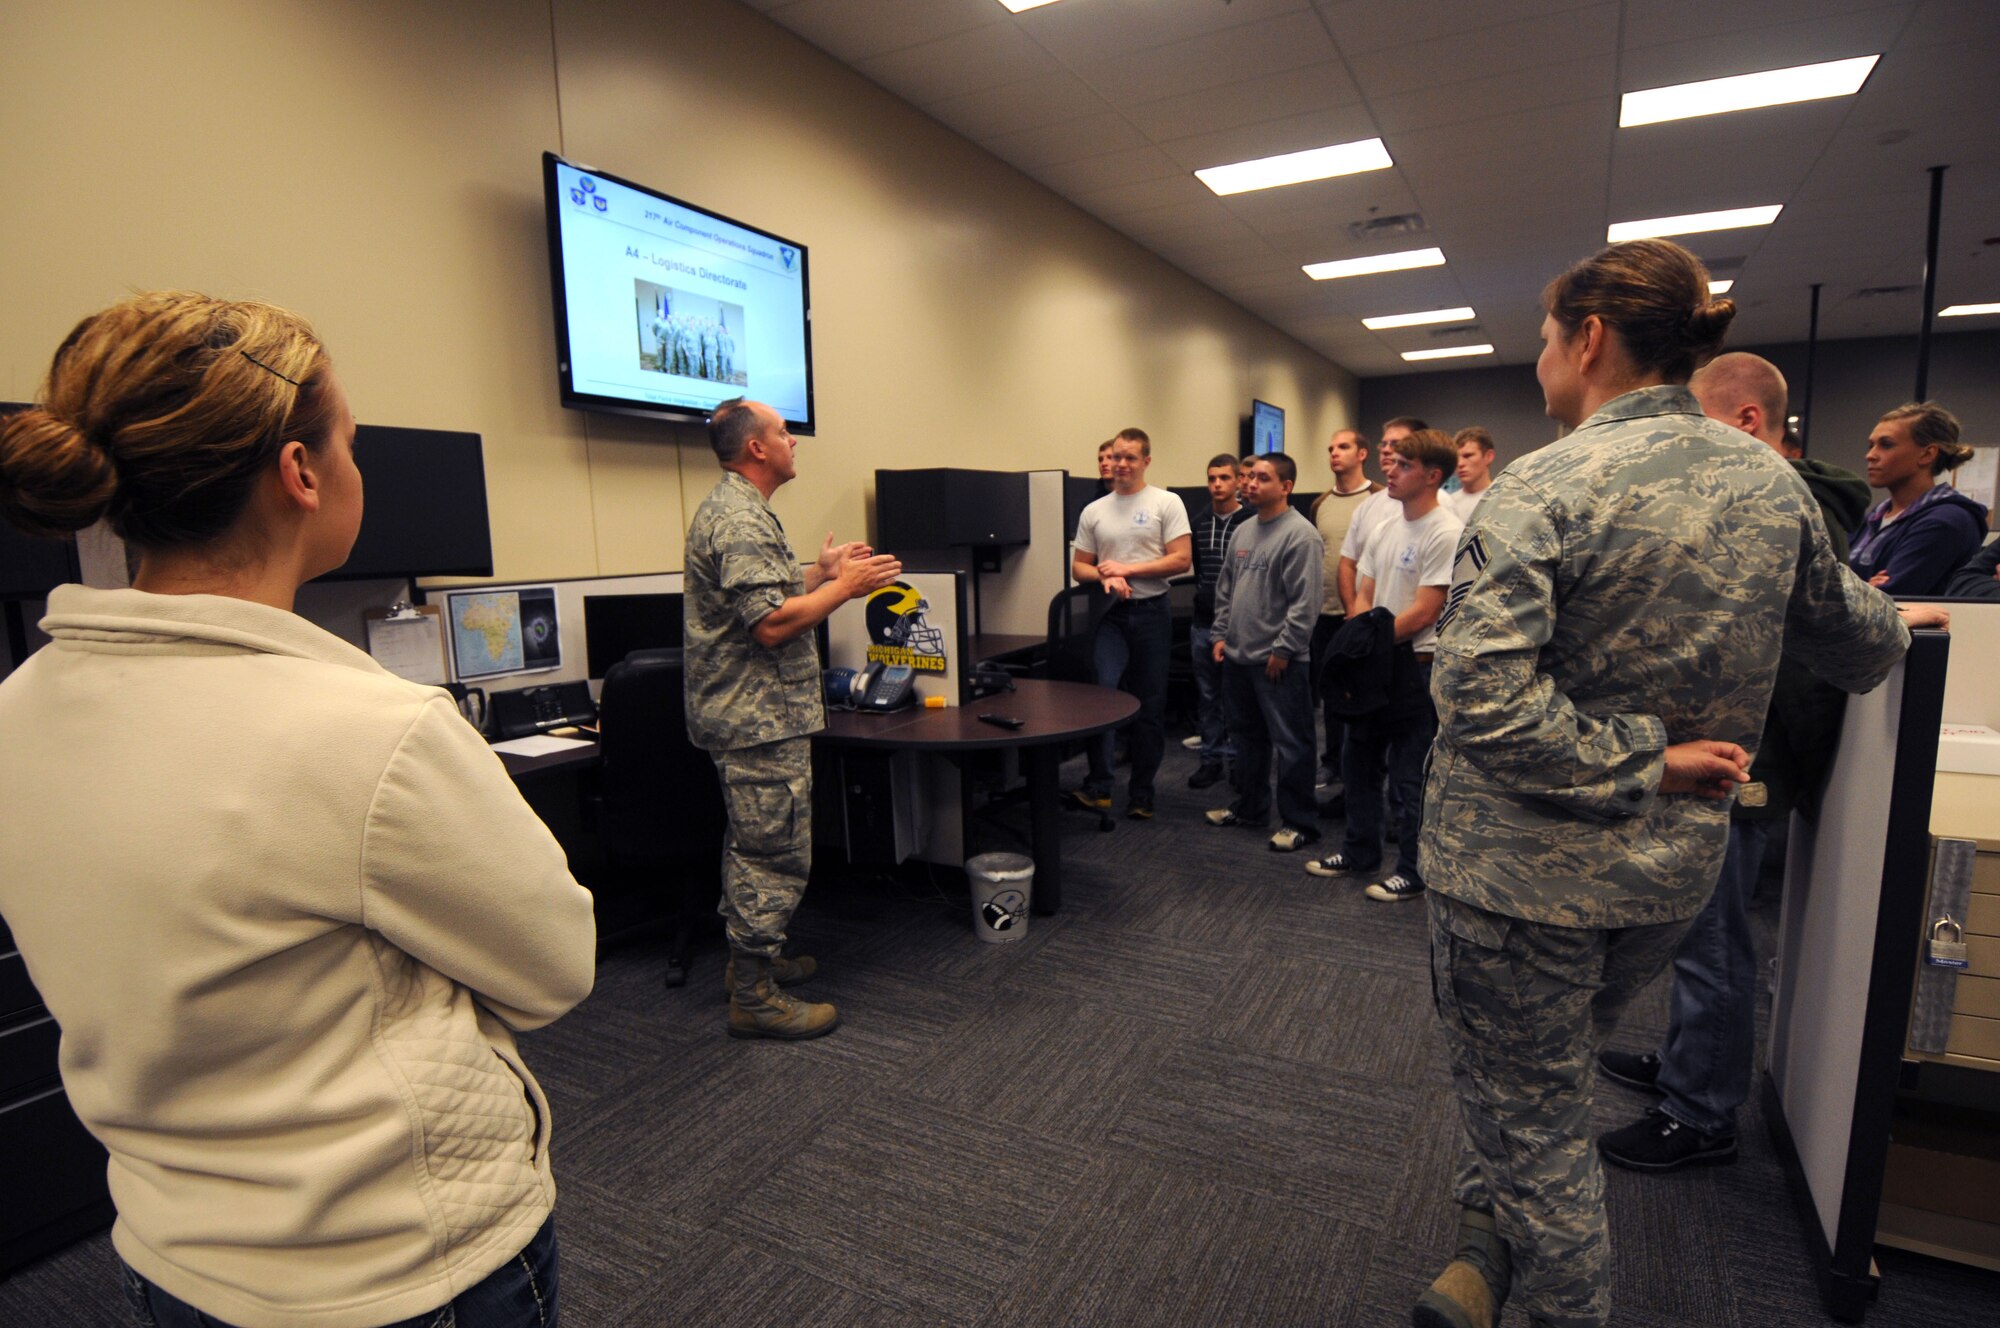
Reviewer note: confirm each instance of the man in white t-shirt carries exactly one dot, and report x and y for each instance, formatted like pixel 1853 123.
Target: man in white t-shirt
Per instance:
pixel 1475 472
pixel 1129 542
pixel 1406 570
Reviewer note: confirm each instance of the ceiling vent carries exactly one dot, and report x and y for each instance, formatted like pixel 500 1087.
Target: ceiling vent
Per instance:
pixel 1871 292
pixel 1457 330
pixel 1389 228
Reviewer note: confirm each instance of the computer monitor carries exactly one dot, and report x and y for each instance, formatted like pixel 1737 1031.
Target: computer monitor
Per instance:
pixel 29 567
pixel 616 625
pixel 424 512
pixel 500 631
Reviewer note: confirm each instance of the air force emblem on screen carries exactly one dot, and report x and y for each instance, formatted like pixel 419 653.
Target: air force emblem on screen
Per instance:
pixel 789 256
pixel 584 192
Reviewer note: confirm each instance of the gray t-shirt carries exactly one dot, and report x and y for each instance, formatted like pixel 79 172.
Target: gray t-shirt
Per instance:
pixel 1133 529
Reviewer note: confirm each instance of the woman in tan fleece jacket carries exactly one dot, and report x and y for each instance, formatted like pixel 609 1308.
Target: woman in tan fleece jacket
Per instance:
pixel 286 907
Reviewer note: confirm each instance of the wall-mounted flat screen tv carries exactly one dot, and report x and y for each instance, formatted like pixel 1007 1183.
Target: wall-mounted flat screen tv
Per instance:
pixel 666 309
pixel 1267 428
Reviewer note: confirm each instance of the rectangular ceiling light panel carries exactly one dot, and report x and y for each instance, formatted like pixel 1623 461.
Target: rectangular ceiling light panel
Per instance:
pixel 1297 167
pixel 1016 6
pixel 1693 223
pixel 1744 92
pixel 1719 287
pixel 1418 320
pixel 1361 267
pixel 1968 310
pixel 1447 352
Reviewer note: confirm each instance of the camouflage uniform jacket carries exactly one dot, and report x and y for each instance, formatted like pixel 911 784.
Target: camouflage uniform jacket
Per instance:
pixel 740 567
pixel 1623 589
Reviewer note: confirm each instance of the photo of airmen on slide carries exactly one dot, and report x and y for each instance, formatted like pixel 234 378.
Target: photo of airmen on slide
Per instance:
pixel 694 336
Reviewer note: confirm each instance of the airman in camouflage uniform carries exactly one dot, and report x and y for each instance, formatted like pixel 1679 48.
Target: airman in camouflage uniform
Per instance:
pixel 753 699
pixel 1622 590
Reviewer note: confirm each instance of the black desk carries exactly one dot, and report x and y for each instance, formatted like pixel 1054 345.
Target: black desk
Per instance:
pixel 1053 713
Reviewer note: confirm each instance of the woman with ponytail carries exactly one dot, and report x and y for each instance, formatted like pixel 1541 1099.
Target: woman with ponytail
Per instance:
pixel 1912 542
pixel 286 907
pixel 1604 663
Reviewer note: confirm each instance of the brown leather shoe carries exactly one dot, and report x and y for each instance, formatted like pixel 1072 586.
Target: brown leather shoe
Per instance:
pixel 760 1009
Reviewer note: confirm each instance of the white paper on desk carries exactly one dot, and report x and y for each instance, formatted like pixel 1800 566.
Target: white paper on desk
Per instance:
pixel 539 744
pixel 410 648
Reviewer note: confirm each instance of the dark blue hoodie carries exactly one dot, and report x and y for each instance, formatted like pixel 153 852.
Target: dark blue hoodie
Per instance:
pixel 1921 548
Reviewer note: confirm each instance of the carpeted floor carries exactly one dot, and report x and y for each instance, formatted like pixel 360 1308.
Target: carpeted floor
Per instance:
pixel 1207 1093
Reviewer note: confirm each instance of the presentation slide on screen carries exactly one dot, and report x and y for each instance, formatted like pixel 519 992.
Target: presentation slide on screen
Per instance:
pixel 672 307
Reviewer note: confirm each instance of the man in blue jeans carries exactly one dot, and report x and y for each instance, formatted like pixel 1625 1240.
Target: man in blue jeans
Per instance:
pixel 1267 598
pixel 1129 542
pixel 1404 570
pixel 1702 1070
pixel 1212 530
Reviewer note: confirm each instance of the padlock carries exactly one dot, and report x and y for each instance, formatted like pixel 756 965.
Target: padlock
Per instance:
pixel 1947 953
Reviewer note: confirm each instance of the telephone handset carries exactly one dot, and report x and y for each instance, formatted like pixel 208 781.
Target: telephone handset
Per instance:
pixel 885 687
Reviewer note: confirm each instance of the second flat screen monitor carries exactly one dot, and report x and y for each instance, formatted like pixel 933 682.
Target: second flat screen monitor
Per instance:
pixel 616 625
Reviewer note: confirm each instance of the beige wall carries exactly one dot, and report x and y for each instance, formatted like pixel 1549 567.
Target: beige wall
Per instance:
pixel 376 165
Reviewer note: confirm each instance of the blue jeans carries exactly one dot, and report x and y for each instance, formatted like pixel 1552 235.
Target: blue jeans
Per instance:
pixel 521 1293
pixel 1272 717
pixel 1711 1027
pixel 1210 717
pixel 1130 651
pixel 1403 746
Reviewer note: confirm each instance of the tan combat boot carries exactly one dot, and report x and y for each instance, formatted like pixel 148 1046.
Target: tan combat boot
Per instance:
pixel 788 972
pixel 759 1009
pixel 1473 1286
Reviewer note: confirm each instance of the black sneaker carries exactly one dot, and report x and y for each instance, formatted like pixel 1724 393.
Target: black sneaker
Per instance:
pixel 1658 1142
pixel 1634 1069
pixel 1395 889
pixel 1337 863
pixel 1207 774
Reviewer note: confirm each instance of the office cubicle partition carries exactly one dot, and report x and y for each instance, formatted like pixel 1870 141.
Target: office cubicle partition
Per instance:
pixel 1847 954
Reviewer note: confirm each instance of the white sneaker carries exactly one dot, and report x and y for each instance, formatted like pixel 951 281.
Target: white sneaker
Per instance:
pixel 1193 743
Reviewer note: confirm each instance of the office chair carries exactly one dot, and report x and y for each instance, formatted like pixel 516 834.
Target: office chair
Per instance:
pixel 1074 613
pixel 661 812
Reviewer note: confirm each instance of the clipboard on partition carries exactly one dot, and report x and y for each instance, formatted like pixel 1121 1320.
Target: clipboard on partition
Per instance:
pixel 409 642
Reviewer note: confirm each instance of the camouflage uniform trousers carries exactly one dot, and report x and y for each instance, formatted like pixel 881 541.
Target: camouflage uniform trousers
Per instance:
pixel 767 790
pixel 1525 1006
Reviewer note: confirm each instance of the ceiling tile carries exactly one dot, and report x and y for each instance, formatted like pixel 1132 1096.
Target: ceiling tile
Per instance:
pixel 1085 33
pixel 1530 43
pixel 1589 78
pixel 1045 100
pixel 1270 97
pixel 1700 53
pixel 950 66
pixel 1293 41
pixel 1662 25
pixel 854 30
pixel 1314 129
pixel 1363 26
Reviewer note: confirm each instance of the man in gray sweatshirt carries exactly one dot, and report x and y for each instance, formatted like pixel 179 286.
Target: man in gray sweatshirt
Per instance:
pixel 1267 598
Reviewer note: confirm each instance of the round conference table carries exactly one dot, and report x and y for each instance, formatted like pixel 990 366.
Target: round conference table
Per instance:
pixel 1051 714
